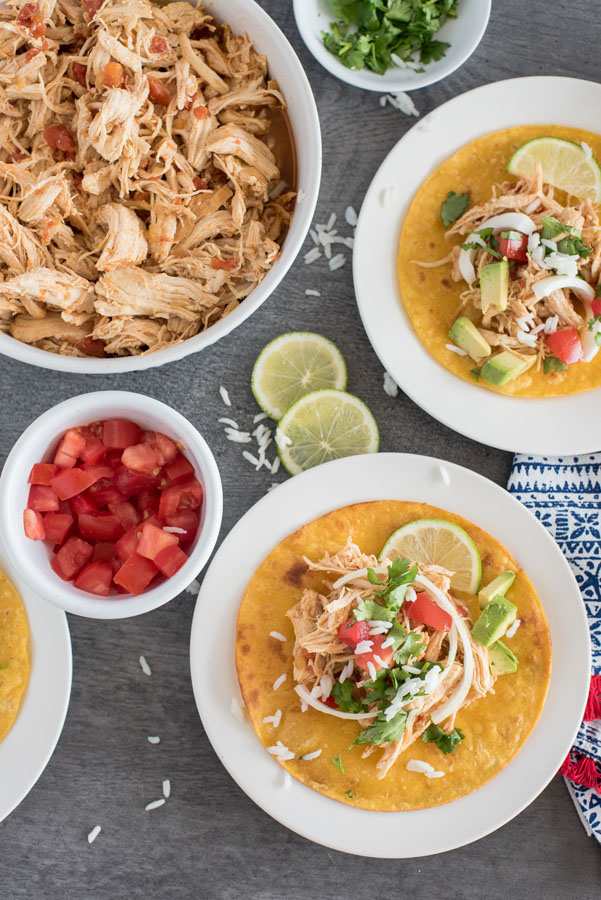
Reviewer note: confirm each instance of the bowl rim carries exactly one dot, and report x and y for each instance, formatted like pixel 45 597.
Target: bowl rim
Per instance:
pixel 394 80
pixel 70 413
pixel 291 247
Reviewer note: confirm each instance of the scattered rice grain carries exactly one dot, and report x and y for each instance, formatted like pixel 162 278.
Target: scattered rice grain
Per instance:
pixel 145 667
pixel 96 831
pixel 155 804
pixel 225 396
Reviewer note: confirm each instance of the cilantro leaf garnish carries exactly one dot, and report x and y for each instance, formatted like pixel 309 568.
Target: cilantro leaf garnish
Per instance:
pixel 475 373
pixel 371 609
pixel 392 593
pixel 350 794
pixel 552 364
pixel 453 207
pixel 573 246
pixel 382 732
pixel 337 760
pixel 369 33
pixel 445 742
pixel 411 646
pixel 343 695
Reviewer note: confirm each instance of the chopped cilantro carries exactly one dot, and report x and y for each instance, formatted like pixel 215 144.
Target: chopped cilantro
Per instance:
pixel 445 742
pixel 368 33
pixel 343 695
pixel 371 609
pixel 411 646
pixel 382 732
pixel 350 794
pixel 489 239
pixel 337 760
pixel 552 364
pixel 453 207
pixel 476 373
pixel 598 292
pixel 4 666
pixel 573 246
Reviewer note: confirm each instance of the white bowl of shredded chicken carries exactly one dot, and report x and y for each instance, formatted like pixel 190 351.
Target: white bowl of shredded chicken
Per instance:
pixel 152 193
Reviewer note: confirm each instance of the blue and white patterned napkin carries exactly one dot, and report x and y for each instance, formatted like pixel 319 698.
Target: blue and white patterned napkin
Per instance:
pixel 564 493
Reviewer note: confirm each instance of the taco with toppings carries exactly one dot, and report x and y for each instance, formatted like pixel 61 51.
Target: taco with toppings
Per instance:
pixel 14 654
pixel 389 682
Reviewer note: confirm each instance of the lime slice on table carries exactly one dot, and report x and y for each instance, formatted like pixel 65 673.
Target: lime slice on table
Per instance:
pixel 441 543
pixel 322 426
pixel 566 165
pixel 293 365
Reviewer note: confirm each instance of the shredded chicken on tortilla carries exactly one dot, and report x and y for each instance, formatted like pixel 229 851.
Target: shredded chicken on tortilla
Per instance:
pixel 526 322
pixel 321 659
pixel 140 191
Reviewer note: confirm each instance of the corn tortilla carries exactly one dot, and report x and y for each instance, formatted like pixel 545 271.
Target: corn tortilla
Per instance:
pixel 14 654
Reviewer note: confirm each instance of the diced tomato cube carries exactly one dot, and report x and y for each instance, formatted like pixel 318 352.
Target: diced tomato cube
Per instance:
pixel 100 470
pixel 566 345
pixel 80 504
pixel 113 458
pixel 142 458
pixel 331 703
pixel 126 512
pixel 130 482
pixel 148 503
pixel 104 550
pixel 79 73
pixel 114 75
pixel 188 521
pixel 158 92
pixel 158 45
pixel 100 528
pixel 104 492
pixel 60 138
pixel 135 574
pixel 170 560
pixel 71 558
pixel 42 473
pixel 120 433
pixel 69 482
pixel 596 306
pixel 352 633
pixel 154 540
pixel 427 612
pixel 57 526
pixel 95 578
pixel 126 545
pixel 164 445
pixel 69 449
pixel 180 469
pixel 180 497
pixel 33 525
pixel 94 450
pixel 43 498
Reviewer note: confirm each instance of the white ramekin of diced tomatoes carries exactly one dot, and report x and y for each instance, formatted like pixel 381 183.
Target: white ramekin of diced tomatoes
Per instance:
pixel 111 504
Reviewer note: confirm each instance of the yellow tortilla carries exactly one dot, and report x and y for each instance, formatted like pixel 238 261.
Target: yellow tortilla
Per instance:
pixel 14 654
pixel 495 726
pixel 431 297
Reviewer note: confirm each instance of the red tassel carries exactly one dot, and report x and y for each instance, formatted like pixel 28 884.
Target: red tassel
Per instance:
pixel 593 704
pixel 582 770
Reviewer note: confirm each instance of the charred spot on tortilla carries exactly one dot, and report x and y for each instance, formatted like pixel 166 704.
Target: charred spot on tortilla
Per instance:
pixel 295 573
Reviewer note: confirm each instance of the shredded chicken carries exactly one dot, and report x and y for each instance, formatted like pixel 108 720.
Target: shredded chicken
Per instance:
pixel 140 173
pixel 321 658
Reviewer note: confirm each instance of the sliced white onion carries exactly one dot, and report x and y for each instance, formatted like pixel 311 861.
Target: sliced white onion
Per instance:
pixel 458 696
pixel 359 573
pixel 305 695
pixel 506 221
pixel 546 286
pixel 590 348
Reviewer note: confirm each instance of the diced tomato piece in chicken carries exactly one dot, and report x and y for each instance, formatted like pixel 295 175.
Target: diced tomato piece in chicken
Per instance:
pixel 180 469
pixel 117 434
pixel 135 574
pixel 80 74
pixel 158 92
pixel 200 112
pixel 180 497
pixel 427 612
pixel 331 703
pixel 142 458
pixel 95 578
pixel 33 525
pixel 100 527
pixel 514 246
pixel 170 560
pixel 57 526
pixel 352 633
pixel 42 473
pixel 566 345
pixel 70 482
pixel 91 6
pixel 154 540
pixel 379 656
pixel 70 448
pixel 200 184
pixel 113 75
pixel 30 17
pixel 89 345
pixel 60 138
pixel 596 305
pixel 225 264
pixel 71 558
pixel 159 45
pixel 43 498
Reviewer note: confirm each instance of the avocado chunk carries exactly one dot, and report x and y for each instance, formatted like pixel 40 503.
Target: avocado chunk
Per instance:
pixel 502 660
pixel 495 619
pixel 465 334
pixel 498 587
pixel 494 285
pixel 504 367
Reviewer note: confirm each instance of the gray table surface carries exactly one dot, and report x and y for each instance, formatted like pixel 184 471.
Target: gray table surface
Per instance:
pixel 210 840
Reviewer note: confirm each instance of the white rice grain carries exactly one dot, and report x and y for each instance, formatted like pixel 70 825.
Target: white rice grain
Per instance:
pixel 455 349
pixel 363 647
pixel 274 720
pixel 337 262
pixel 312 255
pixel 96 831
pixel 301 196
pixel 372 670
pixel 286 779
pixel 237 709
pixel 154 739
pixel 313 755
pixel 279 681
pixel 347 671
pixel 390 386
pixel 387 196
pixel 331 222
pixel 350 217
pixel 259 417
pixel 513 628
pixel 251 459
pixel 193 588
pixel 173 529
pixel 230 422
pixel 311 293
pixel 145 667
pixel 282 440
pixel 278 636
pixel 237 437
pixel 444 476
pixel 155 804
pixel 225 396
pixel 275 465
pixel 166 788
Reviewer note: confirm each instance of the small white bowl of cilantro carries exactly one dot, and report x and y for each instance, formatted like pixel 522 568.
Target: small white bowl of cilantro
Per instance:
pixel 391 45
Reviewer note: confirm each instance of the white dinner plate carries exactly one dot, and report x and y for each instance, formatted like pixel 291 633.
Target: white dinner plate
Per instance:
pixel 393 476
pixel 548 426
pixel 463 34
pixel 28 746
